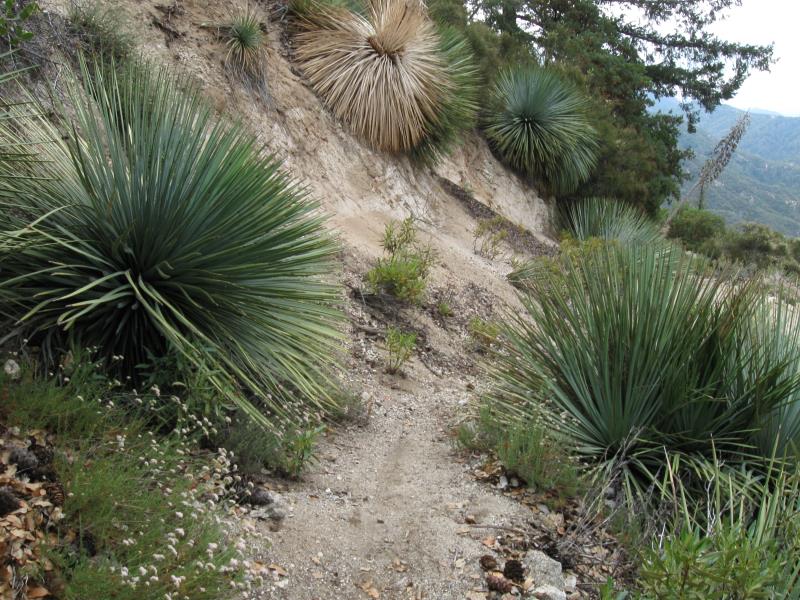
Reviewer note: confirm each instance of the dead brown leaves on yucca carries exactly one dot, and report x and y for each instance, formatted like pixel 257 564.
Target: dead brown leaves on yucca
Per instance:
pixel 381 73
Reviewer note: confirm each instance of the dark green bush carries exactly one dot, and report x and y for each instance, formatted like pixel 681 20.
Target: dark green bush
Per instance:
pixel 699 230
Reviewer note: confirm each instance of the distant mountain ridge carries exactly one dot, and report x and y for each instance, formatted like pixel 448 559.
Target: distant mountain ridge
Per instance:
pixel 762 182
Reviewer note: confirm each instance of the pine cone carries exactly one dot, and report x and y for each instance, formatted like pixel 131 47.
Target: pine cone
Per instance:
pixel 56 493
pixel 25 460
pixel 488 562
pixel 8 501
pixel 498 583
pixel 514 570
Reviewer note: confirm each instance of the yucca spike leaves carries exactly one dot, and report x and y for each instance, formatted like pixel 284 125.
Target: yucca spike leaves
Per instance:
pixel 538 124
pixel 609 219
pixel 152 226
pixel 386 71
pixel 630 357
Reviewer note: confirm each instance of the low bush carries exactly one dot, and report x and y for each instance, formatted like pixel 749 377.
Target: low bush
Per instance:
pixel 172 233
pixel 484 334
pixel 489 236
pixel 537 123
pixel 101 29
pixel 400 347
pixel 699 230
pixel 403 272
pixel 13 16
pixel 138 521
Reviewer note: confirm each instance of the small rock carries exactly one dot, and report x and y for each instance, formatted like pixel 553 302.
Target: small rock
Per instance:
pixel 25 460
pixel 11 368
pixel 470 520
pixel 503 483
pixel 259 497
pixel 570 583
pixel 548 592
pixel 545 571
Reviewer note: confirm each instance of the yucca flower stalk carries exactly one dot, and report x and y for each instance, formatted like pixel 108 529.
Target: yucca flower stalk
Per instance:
pixel 387 72
pixel 153 226
pixel 538 124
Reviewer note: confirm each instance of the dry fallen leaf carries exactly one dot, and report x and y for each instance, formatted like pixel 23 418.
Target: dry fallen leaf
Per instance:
pixel 37 592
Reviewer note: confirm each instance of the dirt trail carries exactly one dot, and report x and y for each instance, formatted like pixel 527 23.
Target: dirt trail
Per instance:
pixel 384 510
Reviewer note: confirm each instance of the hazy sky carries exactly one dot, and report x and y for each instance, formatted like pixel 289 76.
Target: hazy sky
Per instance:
pixel 762 22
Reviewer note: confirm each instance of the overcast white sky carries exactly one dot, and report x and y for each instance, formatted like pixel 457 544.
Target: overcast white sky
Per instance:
pixel 762 22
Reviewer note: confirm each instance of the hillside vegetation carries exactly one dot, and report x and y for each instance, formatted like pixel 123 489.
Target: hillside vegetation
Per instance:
pixel 412 246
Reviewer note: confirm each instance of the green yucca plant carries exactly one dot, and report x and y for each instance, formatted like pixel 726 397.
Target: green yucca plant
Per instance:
pixel 245 42
pixel 384 69
pixel 154 226
pixel 538 124
pixel 631 356
pixel 610 220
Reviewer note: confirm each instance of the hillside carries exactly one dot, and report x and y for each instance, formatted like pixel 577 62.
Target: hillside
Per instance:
pixel 762 182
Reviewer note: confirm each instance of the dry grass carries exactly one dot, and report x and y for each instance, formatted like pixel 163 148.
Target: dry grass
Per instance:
pixel 380 72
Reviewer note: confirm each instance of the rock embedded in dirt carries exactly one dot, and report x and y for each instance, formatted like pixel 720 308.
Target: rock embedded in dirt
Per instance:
pixel 259 497
pixel 548 592
pixel 544 571
pixel 25 460
pixel 12 369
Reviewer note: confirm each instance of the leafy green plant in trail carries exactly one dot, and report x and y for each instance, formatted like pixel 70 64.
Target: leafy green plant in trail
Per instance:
pixel 400 346
pixel 404 271
pixel 385 70
pixel 443 309
pixel 100 26
pixel 489 236
pixel 136 501
pixel 13 15
pixel 484 334
pixel 537 123
pixel 630 357
pixel 173 233
pixel 609 219
pixel 245 42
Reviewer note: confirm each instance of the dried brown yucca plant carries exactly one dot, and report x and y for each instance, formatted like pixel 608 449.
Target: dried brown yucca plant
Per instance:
pixel 380 70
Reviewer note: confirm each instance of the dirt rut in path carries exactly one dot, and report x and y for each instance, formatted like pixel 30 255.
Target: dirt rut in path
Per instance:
pixel 383 514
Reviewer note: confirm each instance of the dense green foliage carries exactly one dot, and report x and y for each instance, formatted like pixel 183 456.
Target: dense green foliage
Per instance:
pixel 538 124
pixel 622 60
pixel 632 357
pixel 753 245
pixel 403 271
pixel 154 227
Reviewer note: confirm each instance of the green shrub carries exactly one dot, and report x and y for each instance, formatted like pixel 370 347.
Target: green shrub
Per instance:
pixel 698 230
pixel 537 123
pixel 443 309
pixel 756 244
pixel 100 26
pixel 13 15
pixel 609 219
pixel 172 233
pixel 400 347
pixel 741 543
pixel 484 334
pixel 133 500
pixel 489 236
pixel 632 358
pixel 404 271
pixel 387 72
